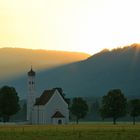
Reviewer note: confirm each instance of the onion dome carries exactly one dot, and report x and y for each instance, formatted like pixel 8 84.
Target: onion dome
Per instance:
pixel 31 73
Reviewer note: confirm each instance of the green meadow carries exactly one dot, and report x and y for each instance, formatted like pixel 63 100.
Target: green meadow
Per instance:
pixel 70 132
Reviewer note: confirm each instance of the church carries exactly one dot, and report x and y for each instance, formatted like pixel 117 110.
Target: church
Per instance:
pixel 49 108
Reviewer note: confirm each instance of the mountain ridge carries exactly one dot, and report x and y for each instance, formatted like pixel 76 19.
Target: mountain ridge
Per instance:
pixel 94 76
pixel 15 61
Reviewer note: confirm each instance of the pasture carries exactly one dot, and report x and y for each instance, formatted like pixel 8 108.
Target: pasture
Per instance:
pixel 70 132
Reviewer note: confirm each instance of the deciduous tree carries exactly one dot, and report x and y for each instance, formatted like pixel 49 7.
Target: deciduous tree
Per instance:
pixel 9 102
pixel 134 109
pixel 113 105
pixel 79 108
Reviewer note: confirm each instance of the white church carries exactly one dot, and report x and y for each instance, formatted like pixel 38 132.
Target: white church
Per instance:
pixel 49 108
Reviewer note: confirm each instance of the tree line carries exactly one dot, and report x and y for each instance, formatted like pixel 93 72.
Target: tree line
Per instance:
pixel 113 105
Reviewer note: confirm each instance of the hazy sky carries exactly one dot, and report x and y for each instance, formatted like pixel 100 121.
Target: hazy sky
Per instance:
pixel 71 25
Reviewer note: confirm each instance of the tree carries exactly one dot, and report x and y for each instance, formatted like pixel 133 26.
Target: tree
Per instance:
pixel 8 102
pixel 79 108
pixel 113 105
pixel 134 109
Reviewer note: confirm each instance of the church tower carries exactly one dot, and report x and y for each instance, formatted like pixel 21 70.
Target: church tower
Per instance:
pixel 31 94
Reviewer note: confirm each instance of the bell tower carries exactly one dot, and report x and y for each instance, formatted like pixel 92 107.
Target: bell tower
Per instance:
pixel 31 94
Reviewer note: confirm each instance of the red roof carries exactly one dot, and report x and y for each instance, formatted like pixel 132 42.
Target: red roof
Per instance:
pixel 45 97
pixel 58 115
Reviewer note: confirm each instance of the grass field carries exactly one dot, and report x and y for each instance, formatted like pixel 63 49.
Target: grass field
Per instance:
pixel 70 132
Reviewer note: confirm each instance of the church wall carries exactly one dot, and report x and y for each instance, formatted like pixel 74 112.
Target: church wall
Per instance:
pixel 42 114
pixel 56 103
pixel 38 115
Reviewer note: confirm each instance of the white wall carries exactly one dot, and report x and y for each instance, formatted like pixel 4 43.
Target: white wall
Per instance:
pixel 43 114
pixel 38 115
pixel 56 103
pixel 30 97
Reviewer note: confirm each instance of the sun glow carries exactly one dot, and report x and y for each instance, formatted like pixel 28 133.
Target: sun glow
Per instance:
pixel 75 25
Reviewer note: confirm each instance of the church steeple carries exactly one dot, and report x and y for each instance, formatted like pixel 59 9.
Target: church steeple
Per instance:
pixel 31 72
pixel 31 94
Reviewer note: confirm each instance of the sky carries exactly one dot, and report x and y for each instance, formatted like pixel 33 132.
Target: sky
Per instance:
pixel 70 25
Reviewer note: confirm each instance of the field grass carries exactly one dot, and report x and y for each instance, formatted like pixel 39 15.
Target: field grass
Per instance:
pixel 70 132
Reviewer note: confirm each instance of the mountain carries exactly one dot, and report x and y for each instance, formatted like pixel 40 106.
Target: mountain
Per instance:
pixel 15 61
pixel 93 77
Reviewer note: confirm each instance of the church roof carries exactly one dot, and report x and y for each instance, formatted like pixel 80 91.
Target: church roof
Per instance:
pixel 58 114
pixel 31 73
pixel 45 97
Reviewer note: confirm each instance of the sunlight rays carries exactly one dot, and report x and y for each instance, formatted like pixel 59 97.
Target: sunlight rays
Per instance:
pixel 76 25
